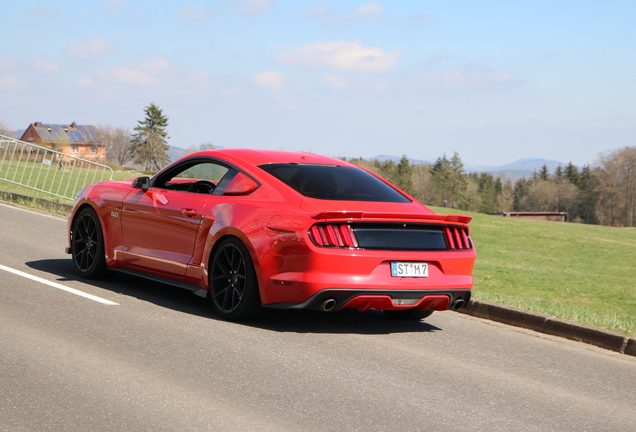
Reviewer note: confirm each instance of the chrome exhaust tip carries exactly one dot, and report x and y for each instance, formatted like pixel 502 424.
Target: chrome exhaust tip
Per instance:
pixel 458 304
pixel 327 305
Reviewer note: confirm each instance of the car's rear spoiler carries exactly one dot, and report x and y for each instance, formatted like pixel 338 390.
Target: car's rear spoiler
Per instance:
pixel 419 217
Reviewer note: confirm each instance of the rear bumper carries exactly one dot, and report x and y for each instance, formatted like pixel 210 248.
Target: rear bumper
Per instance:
pixel 337 299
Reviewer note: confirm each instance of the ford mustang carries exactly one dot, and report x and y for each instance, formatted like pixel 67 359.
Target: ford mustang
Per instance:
pixel 254 229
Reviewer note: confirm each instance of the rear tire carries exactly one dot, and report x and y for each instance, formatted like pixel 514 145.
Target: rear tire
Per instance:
pixel 233 285
pixel 87 245
pixel 409 314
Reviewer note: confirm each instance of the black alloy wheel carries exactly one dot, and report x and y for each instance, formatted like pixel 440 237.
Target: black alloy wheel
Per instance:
pixel 233 285
pixel 87 244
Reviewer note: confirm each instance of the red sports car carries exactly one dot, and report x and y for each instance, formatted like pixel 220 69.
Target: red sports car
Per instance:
pixel 276 229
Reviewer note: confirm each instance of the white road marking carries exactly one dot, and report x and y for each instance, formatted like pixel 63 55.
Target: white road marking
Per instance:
pixel 27 210
pixel 58 286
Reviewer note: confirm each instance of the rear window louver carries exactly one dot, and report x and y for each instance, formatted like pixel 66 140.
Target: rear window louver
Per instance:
pixel 380 236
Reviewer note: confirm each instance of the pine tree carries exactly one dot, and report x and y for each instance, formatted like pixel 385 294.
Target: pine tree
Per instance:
pixel 572 173
pixel 450 183
pixel 149 145
pixel 403 173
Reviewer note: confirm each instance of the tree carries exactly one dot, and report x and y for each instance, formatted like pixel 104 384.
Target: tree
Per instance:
pixel 387 169
pixel 202 147
pixel 520 194
pixel 572 174
pixel 615 185
pixel 588 196
pixel 423 183
pixel 489 189
pixel 505 200
pixel 403 173
pixel 448 175
pixel 5 130
pixel 149 145
pixel 118 144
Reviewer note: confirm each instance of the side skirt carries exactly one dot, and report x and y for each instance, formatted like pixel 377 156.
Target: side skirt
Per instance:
pixel 196 289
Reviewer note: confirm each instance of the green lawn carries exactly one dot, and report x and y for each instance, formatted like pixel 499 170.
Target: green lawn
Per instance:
pixel 585 273
pixel 58 183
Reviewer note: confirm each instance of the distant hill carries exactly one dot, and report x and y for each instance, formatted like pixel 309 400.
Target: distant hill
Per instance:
pixel 521 168
pixel 175 153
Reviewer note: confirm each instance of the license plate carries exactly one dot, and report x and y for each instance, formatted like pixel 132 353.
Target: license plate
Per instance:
pixel 409 269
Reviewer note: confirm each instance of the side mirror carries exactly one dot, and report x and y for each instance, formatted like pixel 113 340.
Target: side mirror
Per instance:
pixel 142 183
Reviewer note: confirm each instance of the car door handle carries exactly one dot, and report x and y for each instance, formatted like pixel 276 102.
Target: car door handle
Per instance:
pixel 188 212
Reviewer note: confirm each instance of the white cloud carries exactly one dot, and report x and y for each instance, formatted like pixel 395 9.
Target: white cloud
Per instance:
pixel 369 11
pixel 251 7
pixel 148 73
pixel 48 66
pixel 128 75
pixel 11 82
pixel 269 80
pixel 192 14
pixel 341 56
pixel 90 50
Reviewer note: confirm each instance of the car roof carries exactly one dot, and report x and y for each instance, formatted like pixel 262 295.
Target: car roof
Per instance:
pixel 260 157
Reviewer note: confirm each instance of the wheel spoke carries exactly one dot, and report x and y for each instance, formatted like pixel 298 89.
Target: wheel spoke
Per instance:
pixel 228 278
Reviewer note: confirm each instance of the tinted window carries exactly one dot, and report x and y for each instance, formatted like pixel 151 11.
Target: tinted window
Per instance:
pixel 331 182
pixel 204 171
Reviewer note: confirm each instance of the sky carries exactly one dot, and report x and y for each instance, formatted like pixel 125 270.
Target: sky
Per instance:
pixel 495 81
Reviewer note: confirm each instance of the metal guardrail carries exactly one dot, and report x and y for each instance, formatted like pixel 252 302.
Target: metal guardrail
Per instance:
pixel 46 170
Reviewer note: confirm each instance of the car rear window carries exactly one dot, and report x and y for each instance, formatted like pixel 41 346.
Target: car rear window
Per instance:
pixel 331 182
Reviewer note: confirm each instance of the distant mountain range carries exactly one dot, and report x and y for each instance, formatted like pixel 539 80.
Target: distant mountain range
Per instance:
pixel 522 168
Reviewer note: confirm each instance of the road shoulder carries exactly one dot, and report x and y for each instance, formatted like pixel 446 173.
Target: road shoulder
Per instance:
pixel 547 324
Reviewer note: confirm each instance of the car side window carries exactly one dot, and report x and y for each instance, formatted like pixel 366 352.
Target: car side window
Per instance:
pixel 204 171
pixel 200 176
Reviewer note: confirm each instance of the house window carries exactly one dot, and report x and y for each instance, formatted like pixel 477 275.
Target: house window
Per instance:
pixel 73 149
pixel 94 149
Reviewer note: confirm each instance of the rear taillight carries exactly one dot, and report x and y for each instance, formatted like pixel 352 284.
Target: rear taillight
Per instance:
pixel 457 238
pixel 333 235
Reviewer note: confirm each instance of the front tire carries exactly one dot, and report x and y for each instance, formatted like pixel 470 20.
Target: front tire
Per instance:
pixel 233 285
pixel 409 314
pixel 87 245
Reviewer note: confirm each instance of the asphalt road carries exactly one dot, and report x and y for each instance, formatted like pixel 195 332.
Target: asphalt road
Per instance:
pixel 159 360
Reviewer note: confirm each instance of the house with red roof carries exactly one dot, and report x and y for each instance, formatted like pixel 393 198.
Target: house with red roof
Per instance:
pixel 84 141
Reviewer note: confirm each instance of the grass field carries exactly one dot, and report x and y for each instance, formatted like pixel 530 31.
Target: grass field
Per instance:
pixel 584 273
pixel 57 184
pixel 62 178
